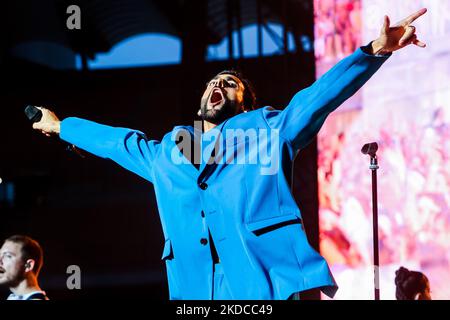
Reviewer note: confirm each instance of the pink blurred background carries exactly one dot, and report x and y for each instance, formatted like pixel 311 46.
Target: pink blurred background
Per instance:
pixel 405 108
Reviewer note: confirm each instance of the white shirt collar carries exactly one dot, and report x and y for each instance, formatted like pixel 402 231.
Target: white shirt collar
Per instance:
pixel 13 296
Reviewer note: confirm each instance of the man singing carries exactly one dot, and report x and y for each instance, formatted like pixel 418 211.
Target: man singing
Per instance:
pixel 233 230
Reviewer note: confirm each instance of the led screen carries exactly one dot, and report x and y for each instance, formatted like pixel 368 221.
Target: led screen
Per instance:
pixel 405 108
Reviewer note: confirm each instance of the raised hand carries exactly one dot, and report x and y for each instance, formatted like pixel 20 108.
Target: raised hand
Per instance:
pixel 399 36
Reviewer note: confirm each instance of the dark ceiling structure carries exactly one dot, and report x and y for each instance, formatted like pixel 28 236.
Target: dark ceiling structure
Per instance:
pixel 105 23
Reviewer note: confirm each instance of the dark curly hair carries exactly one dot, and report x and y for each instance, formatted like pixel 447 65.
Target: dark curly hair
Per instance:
pixel 409 284
pixel 249 91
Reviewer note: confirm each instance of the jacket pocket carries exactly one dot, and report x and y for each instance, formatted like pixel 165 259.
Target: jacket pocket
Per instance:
pixel 167 252
pixel 267 225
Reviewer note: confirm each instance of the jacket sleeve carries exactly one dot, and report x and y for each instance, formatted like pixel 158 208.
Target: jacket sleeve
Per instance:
pixel 129 148
pixel 300 121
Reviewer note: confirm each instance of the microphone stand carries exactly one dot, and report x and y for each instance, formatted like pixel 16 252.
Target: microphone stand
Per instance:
pixel 371 149
pixel 374 167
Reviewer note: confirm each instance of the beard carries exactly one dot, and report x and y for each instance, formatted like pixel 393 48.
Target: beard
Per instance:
pixel 11 280
pixel 218 114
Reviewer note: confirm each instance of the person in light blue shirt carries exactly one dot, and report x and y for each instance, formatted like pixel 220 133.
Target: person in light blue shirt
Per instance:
pixel 232 228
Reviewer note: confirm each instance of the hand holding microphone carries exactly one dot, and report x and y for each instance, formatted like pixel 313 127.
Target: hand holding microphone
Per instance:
pixel 48 123
pixel 43 120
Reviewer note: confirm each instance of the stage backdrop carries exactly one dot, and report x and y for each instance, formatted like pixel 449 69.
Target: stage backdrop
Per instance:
pixel 405 107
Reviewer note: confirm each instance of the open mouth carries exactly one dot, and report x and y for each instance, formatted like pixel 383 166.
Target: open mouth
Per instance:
pixel 216 98
pixel 2 270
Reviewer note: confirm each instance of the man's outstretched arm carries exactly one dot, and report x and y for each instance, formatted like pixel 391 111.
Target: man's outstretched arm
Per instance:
pixel 300 121
pixel 129 148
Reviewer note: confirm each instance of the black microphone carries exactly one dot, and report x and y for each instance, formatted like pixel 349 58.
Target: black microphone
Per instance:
pixel 35 115
pixel 370 149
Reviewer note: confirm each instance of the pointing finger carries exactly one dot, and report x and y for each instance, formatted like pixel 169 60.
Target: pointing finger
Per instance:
pixel 414 16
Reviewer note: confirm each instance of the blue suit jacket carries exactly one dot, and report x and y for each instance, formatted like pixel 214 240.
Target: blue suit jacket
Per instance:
pixel 246 206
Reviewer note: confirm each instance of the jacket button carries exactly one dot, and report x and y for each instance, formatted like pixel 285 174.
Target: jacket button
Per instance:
pixel 204 241
pixel 203 185
pixel 203 214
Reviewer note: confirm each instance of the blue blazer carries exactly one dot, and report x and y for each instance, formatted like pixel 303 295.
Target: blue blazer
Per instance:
pixel 245 205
